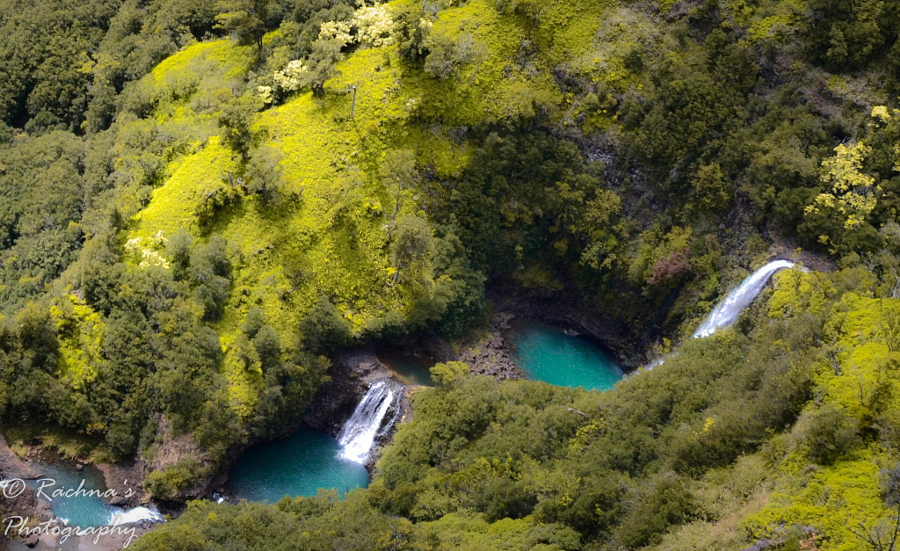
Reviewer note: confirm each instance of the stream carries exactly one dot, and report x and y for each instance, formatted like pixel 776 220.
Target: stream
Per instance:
pixel 79 498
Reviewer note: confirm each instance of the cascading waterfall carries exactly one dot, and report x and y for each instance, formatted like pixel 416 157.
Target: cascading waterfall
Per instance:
pixel 368 420
pixel 727 311
pixel 138 514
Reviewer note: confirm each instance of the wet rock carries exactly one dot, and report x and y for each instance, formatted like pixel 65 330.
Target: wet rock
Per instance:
pixel 436 348
pixel 126 479
pixel 491 354
pixel 624 340
pixel 404 414
pixel 24 504
pixel 32 541
pixel 352 372
pixel 10 464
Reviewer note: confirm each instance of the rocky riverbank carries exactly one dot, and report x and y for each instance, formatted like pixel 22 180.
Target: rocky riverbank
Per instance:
pixel 116 540
pixel 627 347
pixel 126 479
pixel 491 352
pixel 11 466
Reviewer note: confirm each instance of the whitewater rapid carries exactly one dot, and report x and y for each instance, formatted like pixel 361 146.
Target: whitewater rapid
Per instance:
pixel 138 514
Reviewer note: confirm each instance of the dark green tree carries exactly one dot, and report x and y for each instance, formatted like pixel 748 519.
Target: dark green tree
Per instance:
pixel 324 329
pixel 412 244
pixel 234 120
pixel 245 19
pixel 263 174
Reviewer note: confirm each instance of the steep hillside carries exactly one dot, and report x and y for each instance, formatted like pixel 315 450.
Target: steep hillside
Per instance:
pixel 202 200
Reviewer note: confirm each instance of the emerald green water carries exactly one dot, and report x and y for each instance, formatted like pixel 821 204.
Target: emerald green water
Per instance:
pixel 410 370
pixel 79 509
pixel 547 354
pixel 296 466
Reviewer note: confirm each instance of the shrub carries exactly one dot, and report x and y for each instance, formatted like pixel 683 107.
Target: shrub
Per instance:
pixel 176 478
pixel 324 329
pixel 447 54
pixel 263 174
pixel 449 373
pixel 829 432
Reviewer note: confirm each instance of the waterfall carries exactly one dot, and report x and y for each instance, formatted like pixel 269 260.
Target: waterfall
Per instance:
pixel 728 310
pixel 137 514
pixel 368 420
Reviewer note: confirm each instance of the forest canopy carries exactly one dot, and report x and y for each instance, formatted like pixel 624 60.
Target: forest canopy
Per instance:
pixel 201 201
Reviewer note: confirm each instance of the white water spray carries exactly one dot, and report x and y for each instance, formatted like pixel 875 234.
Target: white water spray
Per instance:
pixel 137 514
pixel 728 310
pixel 368 420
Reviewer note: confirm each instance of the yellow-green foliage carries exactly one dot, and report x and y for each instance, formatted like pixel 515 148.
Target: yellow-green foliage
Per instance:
pixel 80 333
pixel 491 87
pixel 777 21
pixel 852 192
pixel 461 532
pixel 868 368
pixel 620 31
pixel 190 179
pixel 445 157
pixel 859 376
pixel 729 495
pixel 23 440
pixel 827 500
pixel 330 232
pixel 797 291
pixel 775 492
pixel 196 79
pixel 502 82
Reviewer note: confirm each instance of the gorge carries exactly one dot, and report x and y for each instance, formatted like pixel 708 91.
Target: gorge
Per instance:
pixel 310 460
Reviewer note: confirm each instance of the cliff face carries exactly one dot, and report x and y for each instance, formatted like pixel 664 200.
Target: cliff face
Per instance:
pixel 351 373
pixel 174 453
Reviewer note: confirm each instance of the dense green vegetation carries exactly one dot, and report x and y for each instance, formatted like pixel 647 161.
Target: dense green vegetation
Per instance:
pixel 752 433
pixel 199 201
